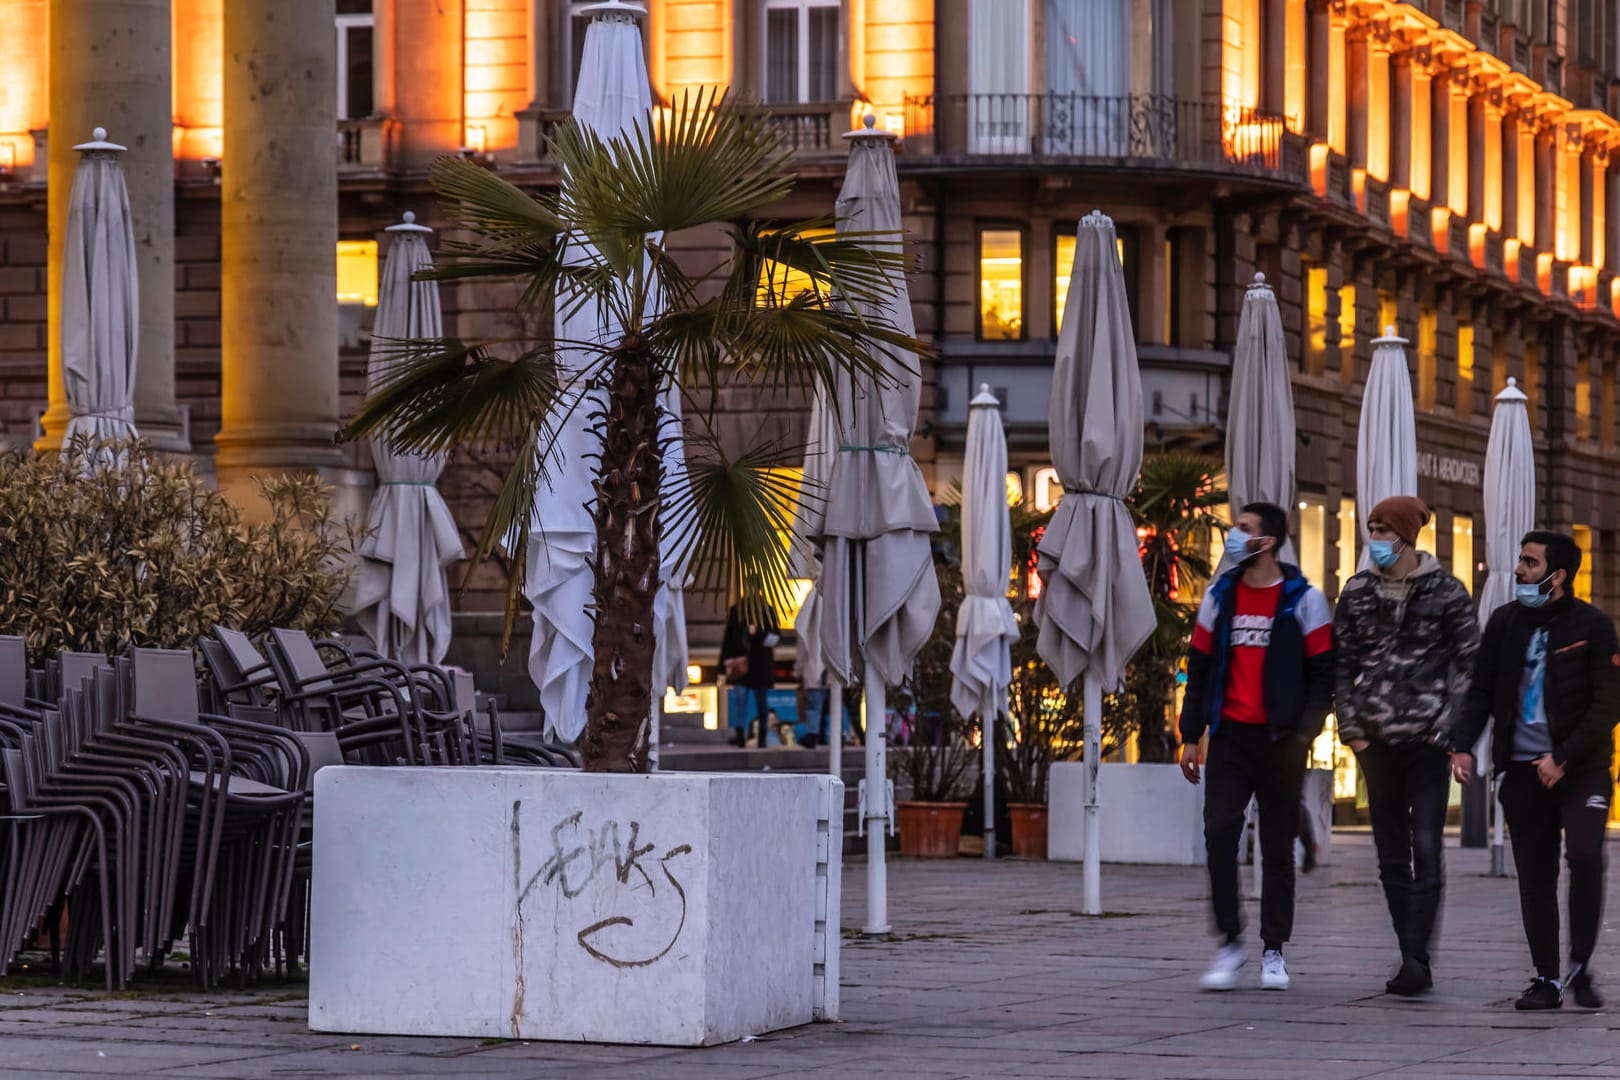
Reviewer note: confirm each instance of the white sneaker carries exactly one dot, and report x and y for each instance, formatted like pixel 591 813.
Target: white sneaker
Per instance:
pixel 1223 970
pixel 1273 971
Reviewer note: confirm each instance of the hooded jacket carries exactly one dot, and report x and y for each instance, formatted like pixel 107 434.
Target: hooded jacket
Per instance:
pixel 1403 664
pixel 1297 673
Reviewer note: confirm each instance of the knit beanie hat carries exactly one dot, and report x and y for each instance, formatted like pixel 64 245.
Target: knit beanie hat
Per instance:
pixel 1404 515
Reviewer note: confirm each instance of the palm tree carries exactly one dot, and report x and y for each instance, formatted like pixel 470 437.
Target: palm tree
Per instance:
pixel 780 313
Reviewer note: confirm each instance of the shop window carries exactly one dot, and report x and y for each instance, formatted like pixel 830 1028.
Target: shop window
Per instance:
pixel 1349 532
pixel 1464 405
pixel 1347 333
pixel 1428 344
pixel 1125 240
pixel 1429 537
pixel 1583 397
pixel 801 51
pixel 355 30
pixel 1001 284
pixel 1313 539
pixel 357 272
pixel 1171 301
pixel 1583 576
pixel 780 283
pixel 1048 489
pixel 1316 290
pixel 1462 550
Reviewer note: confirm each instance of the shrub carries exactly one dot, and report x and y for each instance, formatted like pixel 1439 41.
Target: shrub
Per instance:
pixel 101 551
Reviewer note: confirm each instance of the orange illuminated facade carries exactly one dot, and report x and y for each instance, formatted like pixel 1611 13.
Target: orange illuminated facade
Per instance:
pixel 24 81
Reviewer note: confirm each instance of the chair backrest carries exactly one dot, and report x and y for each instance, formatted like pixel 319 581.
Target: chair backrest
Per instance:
pixel 165 684
pixel 247 659
pixel 13 670
pixel 303 658
pixel 80 666
pixel 323 749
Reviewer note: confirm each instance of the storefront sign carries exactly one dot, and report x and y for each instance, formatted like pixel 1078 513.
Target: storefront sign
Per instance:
pixel 1449 470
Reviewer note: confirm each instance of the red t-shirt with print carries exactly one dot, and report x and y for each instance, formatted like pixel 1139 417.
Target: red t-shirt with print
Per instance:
pixel 1245 699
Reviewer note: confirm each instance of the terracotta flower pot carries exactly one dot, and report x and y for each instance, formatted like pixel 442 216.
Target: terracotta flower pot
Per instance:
pixel 930 830
pixel 1028 829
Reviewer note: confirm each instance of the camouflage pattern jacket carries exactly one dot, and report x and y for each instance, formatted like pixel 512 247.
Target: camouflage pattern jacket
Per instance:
pixel 1405 655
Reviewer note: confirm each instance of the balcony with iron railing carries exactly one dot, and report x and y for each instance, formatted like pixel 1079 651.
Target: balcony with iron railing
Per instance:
pixel 366 145
pixel 807 131
pixel 1136 131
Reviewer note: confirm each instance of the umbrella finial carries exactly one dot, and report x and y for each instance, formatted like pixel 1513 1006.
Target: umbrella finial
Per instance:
pixel 1259 287
pixel 408 225
pixel 1095 219
pixel 1389 331
pixel 1512 393
pixel 609 9
pixel 985 398
pixel 869 130
pixel 98 144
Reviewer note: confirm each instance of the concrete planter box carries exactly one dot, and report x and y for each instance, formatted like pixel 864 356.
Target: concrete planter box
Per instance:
pixel 673 909
pixel 1150 814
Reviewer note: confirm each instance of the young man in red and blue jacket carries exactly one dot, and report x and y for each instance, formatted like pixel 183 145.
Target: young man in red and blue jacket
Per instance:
pixel 1260 683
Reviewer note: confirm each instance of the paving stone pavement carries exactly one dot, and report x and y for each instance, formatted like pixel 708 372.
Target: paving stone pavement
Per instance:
pixel 991 972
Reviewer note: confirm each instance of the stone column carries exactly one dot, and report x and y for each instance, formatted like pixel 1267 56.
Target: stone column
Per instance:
pixel 1440 139
pixel 1320 89
pixel 1478 117
pixel 278 238
pixel 1358 65
pixel 110 67
pixel 1510 176
pixel 1400 124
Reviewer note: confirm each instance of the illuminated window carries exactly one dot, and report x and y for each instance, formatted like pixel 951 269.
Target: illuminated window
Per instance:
pixel 357 272
pixel 1316 290
pixel 1347 333
pixel 1462 550
pixel 1063 266
pixel 799 587
pixel 1465 369
pixel 801 51
pixel 355 28
pixel 782 282
pixel 1048 489
pixel 1001 284
pixel 1583 397
pixel 1348 533
pixel 1313 539
pixel 1428 344
pixel 1388 313
pixel 1583 576
pixel 1429 537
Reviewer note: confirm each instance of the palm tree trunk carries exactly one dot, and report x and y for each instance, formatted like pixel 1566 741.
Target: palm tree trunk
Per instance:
pixel 619 707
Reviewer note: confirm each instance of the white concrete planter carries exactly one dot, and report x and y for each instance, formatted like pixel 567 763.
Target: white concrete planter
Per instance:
pixel 1150 814
pixel 675 909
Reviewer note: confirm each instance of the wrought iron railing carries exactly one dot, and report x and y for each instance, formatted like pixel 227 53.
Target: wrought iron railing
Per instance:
pixel 1139 127
pixel 365 145
pixel 809 129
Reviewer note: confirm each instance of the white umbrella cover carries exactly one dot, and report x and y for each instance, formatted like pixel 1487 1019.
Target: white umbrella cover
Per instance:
pixel 1095 610
pixel 809 518
pixel 100 300
pixel 1260 447
pixel 981 661
pixel 612 95
pixel 877 562
pixel 402 593
pixel 1386 442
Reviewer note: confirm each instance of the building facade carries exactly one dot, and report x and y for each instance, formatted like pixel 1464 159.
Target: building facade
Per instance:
pixel 1443 168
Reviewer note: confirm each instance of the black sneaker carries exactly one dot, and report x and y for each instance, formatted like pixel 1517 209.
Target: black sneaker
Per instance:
pixel 1414 978
pixel 1541 994
pixel 1585 990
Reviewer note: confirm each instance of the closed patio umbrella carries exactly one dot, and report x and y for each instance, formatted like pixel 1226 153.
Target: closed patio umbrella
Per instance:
pixel 611 97
pixel 1094 610
pixel 1260 413
pixel 100 303
pixel 809 516
pixel 877 566
pixel 1510 512
pixel 402 593
pixel 1386 443
pixel 981 661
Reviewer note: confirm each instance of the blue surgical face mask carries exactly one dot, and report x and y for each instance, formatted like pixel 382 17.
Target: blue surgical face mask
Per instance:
pixel 1532 594
pixel 1238 543
pixel 1383 553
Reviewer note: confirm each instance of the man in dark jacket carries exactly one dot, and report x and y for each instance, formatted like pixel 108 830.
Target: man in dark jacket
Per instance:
pixel 1405 634
pixel 1549 676
pixel 1259 680
pixel 748 658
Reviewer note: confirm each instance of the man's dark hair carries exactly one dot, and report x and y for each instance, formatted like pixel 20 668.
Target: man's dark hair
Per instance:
pixel 1563 553
pixel 1273 521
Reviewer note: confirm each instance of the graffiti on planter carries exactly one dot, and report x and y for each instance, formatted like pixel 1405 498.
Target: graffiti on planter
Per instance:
pixel 613 856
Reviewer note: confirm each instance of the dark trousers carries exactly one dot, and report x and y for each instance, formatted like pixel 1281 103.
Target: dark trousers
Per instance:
pixel 1245 763
pixel 1579 808
pixel 1408 785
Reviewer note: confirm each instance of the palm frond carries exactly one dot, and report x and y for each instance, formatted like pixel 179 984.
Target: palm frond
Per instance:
pixel 477 199
pixel 730 520
pixel 775 264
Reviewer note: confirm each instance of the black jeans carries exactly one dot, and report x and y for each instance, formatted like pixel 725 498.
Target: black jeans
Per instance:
pixel 1408 785
pixel 1244 763
pixel 1579 808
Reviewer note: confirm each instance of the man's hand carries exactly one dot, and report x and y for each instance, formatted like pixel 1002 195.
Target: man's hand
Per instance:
pixel 1549 771
pixel 1359 745
pixel 1462 768
pixel 1189 762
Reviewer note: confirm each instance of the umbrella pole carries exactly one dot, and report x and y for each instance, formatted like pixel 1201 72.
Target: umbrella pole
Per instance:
pixel 875 810
pixel 1091 704
pixel 987 735
pixel 835 729
pixel 655 732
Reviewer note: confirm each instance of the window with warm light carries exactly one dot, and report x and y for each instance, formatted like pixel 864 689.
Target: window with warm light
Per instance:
pixel 1465 369
pixel 799 588
pixel 357 272
pixel 1316 290
pixel 1313 539
pixel 1583 577
pixel 1001 284
pixel 1389 313
pixel 1429 537
pixel 1063 266
pixel 1347 333
pixel 801 51
pixel 1428 344
pixel 780 283
pixel 1583 397
pixel 355 30
pixel 1349 532
pixel 1462 550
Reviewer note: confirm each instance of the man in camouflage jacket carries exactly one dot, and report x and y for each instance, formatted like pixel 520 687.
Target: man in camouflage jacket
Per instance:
pixel 1407 635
